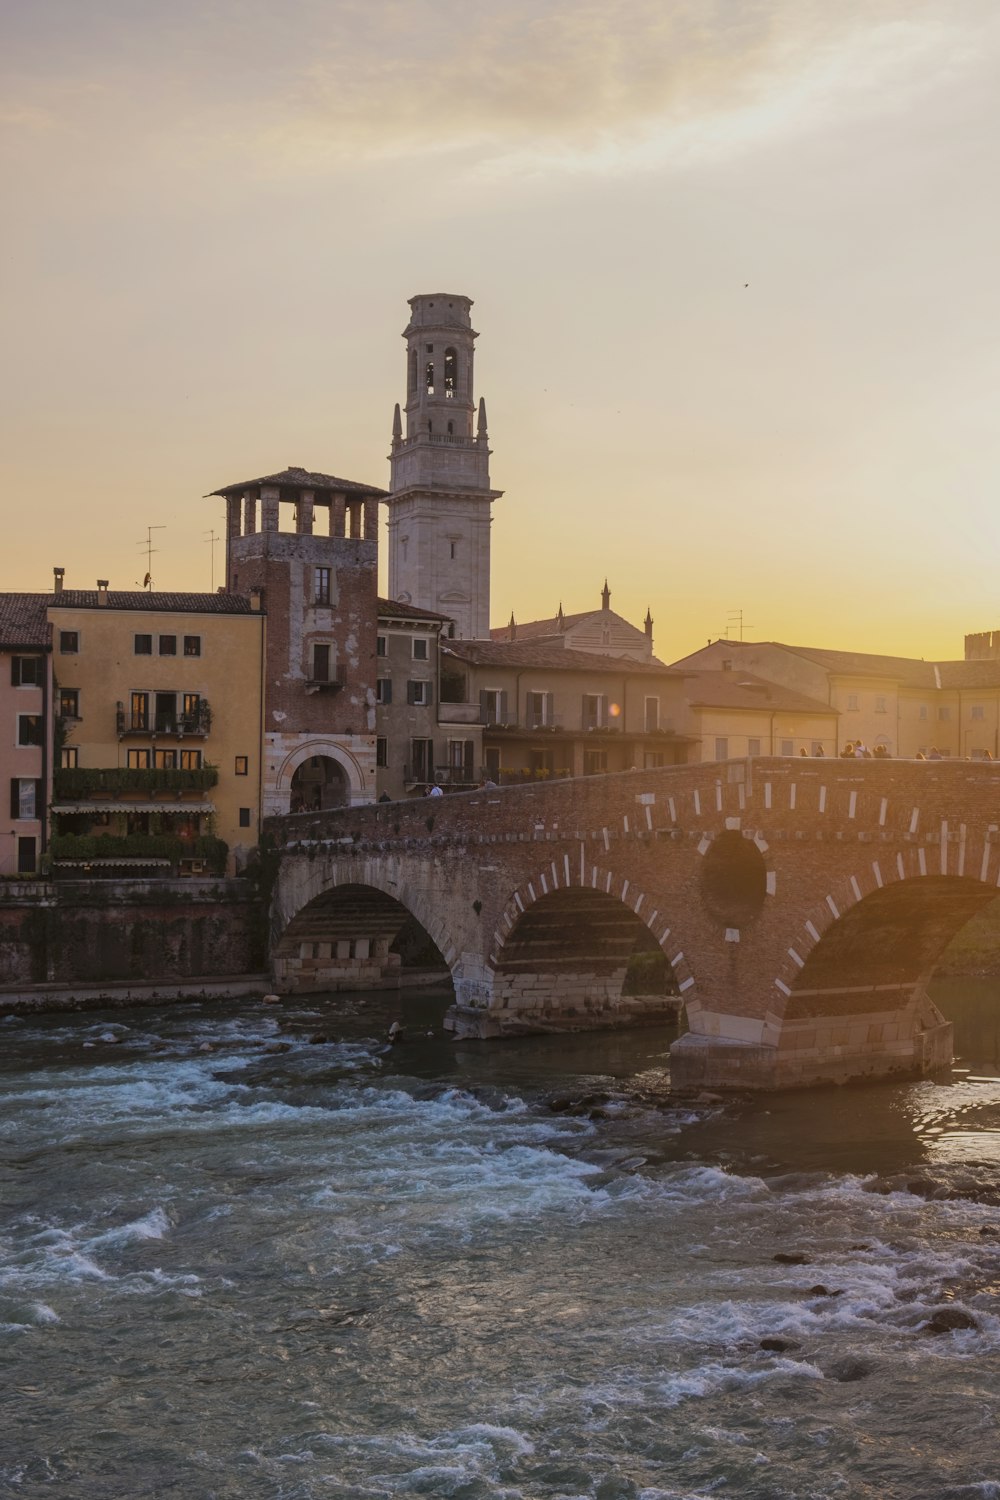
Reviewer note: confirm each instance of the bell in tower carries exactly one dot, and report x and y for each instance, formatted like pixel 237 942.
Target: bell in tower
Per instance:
pixel 439 496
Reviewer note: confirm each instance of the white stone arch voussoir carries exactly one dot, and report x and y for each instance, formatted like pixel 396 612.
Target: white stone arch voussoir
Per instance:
pixel 344 758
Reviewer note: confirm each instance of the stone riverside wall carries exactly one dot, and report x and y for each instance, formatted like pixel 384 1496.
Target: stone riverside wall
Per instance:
pixel 92 932
pixel 866 871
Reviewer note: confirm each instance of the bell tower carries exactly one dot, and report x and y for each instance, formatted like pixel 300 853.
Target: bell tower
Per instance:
pixel 439 494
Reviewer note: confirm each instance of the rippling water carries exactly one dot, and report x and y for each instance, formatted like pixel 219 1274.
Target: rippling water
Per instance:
pixel 240 1261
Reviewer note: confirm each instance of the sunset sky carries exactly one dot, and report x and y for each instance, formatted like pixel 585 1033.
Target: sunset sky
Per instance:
pixel 736 270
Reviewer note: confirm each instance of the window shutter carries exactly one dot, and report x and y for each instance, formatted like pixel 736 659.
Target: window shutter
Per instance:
pixel 15 671
pixel 504 718
pixel 386 690
pixel 484 712
pixel 15 796
pixel 602 711
pixel 583 712
pixel 40 798
pixel 550 699
pixel 411 691
pixel 428 692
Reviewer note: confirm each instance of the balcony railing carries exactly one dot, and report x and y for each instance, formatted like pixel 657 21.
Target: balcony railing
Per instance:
pixel 137 721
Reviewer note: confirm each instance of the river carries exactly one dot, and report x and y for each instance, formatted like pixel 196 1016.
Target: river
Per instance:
pixel 250 1251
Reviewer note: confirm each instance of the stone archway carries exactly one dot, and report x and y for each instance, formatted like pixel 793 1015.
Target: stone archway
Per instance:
pixel 319 784
pixel 351 937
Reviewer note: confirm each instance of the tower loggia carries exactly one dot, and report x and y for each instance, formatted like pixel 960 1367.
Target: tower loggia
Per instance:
pixel 439 494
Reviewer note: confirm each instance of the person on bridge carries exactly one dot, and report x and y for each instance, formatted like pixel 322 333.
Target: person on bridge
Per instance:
pixel 434 791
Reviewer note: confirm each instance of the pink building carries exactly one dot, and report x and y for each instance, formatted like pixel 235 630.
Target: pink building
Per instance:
pixel 25 732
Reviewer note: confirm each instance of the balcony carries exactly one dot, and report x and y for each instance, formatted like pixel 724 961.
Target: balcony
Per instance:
pixel 332 683
pixel 175 725
pixel 108 851
pixel 81 783
pixel 459 713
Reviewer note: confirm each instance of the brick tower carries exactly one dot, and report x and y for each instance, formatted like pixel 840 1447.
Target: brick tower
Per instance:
pixel 439 497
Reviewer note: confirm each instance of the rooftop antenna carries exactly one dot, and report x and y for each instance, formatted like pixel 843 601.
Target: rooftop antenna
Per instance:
pixel 212 538
pixel 734 621
pixel 147 582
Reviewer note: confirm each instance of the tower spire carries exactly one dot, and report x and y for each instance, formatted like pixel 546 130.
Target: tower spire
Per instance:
pixel 605 596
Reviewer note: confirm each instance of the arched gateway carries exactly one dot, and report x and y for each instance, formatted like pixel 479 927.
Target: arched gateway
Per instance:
pixel 800 907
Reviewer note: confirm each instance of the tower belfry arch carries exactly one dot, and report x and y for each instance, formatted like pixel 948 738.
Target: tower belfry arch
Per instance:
pixel 439 495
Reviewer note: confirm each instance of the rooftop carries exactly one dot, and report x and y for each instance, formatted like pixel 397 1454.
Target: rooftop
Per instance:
pixel 295 478
pixel 713 689
pixel 557 658
pixel 24 622
pixel 192 604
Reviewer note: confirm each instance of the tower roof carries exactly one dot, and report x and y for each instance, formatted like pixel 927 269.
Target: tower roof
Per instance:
pixel 294 478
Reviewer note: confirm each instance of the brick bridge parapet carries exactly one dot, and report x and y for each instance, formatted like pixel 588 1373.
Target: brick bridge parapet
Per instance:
pixel 801 904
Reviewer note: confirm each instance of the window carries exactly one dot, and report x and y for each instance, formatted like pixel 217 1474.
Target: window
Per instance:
pixel 69 703
pixel 460 759
pixel 787 747
pixel 27 856
pixel 923 710
pixel 168 645
pixel 381 751
pixel 321 585
pixel 69 758
pixel 652 759
pixel 242 765
pixel 594 762
pixel 422 760
pixel 380 646
pixel 852 702
pixel 165 714
pixel 540 710
pixel 721 747
pixel 190 760
pixel 143 645
pixel 165 760
pixel 69 642
pixel 453 550
pixel 139 710
pixel 493 706
pixel 419 650
pixel 25 797
pixel 753 747
pixel 419 694
pixel 26 671
pixel 244 817
pixel 450 374
pixel 595 711
pixel 29 729
pixel 383 690
pixel 652 715
pixel 817 747
pixel 192 645
pixel 321 663
pixel 137 760
pixel 880 707
pixel 978 711
pixel 944 712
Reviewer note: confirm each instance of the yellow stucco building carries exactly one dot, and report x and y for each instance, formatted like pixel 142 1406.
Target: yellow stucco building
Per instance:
pixel 158 730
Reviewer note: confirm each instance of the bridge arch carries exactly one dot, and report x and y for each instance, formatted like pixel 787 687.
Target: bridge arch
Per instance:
pixel 335 926
pixel 562 946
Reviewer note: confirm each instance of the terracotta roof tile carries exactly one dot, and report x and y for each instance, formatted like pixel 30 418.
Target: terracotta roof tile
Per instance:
pixel 23 621
pixel 195 604
pixel 303 479
pixel 735 689
pixel 557 658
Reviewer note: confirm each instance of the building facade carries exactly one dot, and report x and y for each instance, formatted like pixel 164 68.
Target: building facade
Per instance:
pixel 601 631
pixel 26 733
pixel 158 731
pixel 440 499
pixel 307 543
pixel 412 751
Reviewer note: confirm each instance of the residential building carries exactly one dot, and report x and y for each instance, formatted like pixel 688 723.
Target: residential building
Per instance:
pixel 417 731
pixel 26 732
pixel 440 499
pixel 898 705
pixel 308 544
pixel 735 714
pixel 547 711
pixel 158 713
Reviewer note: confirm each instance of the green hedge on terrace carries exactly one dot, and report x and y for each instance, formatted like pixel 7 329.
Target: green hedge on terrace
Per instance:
pixel 79 781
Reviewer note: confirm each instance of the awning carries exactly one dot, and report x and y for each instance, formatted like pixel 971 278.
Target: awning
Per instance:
pixel 162 807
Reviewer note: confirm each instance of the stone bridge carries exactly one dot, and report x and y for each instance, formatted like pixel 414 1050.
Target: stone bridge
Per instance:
pixel 801 906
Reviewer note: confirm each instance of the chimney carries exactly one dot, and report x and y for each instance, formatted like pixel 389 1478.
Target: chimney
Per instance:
pixel 58 576
pixel 102 591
